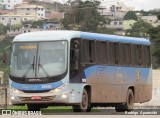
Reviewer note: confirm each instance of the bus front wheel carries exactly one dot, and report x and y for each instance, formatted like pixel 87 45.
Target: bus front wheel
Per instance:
pixel 84 106
pixel 128 106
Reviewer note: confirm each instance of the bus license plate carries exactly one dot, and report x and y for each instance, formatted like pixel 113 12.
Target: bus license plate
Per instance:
pixel 36 97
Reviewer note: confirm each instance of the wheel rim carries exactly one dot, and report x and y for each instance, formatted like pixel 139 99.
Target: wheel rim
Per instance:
pixel 84 101
pixel 130 101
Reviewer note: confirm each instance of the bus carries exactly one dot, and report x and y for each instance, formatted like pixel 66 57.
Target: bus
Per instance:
pixel 79 69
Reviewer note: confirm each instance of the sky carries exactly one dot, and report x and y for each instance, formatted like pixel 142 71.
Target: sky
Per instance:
pixel 138 4
pixel 144 4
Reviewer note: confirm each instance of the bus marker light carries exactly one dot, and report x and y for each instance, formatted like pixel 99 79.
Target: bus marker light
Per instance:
pixel 36 97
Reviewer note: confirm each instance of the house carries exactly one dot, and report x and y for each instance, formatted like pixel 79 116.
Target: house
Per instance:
pixel 52 25
pixel 30 9
pixel 120 26
pixel 9 4
pixel 151 19
pixel 12 19
pixel 103 10
pixel 116 25
pixel 2 12
pixel 47 1
pixel 118 10
pixel 127 24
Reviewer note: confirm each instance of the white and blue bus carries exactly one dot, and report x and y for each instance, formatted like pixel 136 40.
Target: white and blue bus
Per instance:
pixel 79 69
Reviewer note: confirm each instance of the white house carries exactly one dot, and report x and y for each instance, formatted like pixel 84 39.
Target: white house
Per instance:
pixel 151 19
pixel 12 19
pixel 118 10
pixel 9 4
pixel 30 9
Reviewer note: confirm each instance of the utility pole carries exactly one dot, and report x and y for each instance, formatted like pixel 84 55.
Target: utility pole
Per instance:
pixel 56 5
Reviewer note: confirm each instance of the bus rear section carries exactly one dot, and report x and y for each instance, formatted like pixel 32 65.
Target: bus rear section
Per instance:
pixel 117 73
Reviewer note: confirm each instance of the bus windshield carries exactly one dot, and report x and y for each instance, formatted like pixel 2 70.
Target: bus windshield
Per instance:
pixel 38 59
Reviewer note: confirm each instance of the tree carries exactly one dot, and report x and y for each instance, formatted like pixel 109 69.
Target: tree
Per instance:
pixel 155 39
pixel 84 17
pixel 139 29
pixel 16 26
pixel 130 16
pixel 3 29
pixel 105 30
pixel 38 23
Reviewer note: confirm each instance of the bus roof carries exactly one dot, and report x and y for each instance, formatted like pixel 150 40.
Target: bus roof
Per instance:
pixel 68 35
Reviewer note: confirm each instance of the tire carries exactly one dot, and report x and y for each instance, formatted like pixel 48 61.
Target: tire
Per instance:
pixel 84 106
pixel 33 107
pixel 128 106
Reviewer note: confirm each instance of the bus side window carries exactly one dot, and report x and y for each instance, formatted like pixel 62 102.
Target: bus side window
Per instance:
pixel 125 54
pixel 128 54
pixel 146 56
pixel 139 54
pixel 88 51
pixel 117 59
pixel 111 53
pixel 114 56
pixel 101 52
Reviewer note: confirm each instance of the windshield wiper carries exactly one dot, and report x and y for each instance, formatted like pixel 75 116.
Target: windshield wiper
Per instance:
pixel 29 68
pixel 41 66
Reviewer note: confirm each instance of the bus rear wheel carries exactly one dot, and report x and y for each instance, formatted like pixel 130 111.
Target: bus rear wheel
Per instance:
pixel 84 106
pixel 128 106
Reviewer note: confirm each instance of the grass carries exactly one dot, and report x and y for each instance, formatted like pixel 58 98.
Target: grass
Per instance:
pixel 50 109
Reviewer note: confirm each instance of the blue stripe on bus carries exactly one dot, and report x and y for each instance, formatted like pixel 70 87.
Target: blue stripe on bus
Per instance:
pixel 114 38
pixel 108 72
pixel 36 87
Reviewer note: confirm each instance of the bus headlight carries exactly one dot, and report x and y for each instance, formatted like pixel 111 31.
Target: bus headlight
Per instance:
pixel 56 90
pixel 16 91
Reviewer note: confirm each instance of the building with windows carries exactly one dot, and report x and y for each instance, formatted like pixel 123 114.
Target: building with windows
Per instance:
pixel 118 10
pixel 127 24
pixel 12 19
pixel 120 26
pixel 9 4
pixel 30 9
pixel 151 19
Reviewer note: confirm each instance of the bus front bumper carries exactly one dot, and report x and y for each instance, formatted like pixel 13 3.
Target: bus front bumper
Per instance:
pixel 29 98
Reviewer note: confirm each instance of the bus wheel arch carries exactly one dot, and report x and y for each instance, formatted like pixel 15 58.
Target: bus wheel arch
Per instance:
pixel 85 105
pixel 129 104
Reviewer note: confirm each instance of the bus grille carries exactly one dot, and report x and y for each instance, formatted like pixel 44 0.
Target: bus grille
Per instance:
pixel 44 91
pixel 46 98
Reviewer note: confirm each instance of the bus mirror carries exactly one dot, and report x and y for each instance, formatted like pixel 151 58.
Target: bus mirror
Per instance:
pixel 4 57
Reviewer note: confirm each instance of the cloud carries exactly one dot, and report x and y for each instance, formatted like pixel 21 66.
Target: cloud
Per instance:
pixel 145 4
